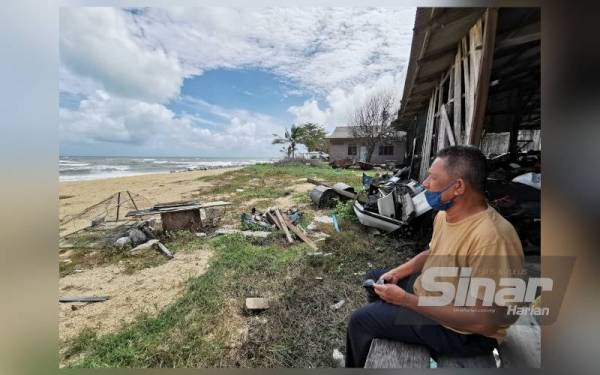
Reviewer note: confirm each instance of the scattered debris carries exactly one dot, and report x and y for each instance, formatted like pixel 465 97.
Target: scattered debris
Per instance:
pixel 83 299
pixel 338 305
pixel 338 358
pixel 200 234
pixel 324 195
pixel 239 190
pixel 319 278
pixel 335 223
pixel 257 304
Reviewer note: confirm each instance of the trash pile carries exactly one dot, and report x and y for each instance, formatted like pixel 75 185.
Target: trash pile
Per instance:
pixel 392 204
pixel 142 236
pixel 514 189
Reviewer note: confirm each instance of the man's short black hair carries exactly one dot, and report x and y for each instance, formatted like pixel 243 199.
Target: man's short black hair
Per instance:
pixel 466 162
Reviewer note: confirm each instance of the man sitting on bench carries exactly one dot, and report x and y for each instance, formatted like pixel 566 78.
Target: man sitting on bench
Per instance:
pixel 468 235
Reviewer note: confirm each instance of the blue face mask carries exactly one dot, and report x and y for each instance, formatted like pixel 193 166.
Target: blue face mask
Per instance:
pixel 434 198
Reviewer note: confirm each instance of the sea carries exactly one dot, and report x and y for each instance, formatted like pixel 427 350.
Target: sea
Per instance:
pixel 80 168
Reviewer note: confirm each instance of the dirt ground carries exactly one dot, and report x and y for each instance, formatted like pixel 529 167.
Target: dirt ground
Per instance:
pixel 148 290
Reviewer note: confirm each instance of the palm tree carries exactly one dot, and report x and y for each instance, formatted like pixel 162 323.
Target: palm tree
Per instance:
pixel 290 138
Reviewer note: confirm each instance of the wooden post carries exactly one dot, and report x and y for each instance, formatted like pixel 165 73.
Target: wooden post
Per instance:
pixel 132 201
pixel 118 204
pixel 485 71
pixel 457 97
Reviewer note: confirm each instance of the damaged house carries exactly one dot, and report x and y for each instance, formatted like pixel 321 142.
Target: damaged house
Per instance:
pixel 344 146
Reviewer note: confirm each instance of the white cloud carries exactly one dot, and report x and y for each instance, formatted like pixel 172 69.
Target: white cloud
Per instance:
pixel 152 127
pixel 319 48
pixel 129 65
pixel 342 103
pixel 98 45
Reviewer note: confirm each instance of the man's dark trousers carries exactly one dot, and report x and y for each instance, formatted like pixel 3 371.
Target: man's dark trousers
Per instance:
pixel 379 319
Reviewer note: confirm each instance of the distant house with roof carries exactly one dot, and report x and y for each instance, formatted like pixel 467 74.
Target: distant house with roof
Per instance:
pixel 343 145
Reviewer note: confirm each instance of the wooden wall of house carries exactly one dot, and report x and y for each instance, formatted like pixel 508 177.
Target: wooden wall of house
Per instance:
pixel 457 105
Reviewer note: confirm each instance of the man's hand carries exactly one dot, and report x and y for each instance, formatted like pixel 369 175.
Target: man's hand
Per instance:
pixel 391 276
pixel 391 293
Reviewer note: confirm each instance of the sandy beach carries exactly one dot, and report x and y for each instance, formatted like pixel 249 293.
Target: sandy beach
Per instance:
pixel 161 187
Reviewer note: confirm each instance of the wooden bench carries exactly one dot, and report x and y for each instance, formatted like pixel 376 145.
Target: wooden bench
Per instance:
pixel 521 348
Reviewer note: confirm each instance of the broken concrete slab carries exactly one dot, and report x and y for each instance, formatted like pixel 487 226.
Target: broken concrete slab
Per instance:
pixel 257 304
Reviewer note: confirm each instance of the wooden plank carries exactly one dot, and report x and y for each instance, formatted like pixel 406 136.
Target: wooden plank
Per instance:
pixel 475 45
pixel 457 124
pixel 163 249
pixel 445 124
pixel 83 299
pixel 482 361
pixel 484 73
pixel 299 233
pixel 426 146
pixel 273 218
pixel 395 354
pixel 283 226
pixel 468 93
pixel 522 345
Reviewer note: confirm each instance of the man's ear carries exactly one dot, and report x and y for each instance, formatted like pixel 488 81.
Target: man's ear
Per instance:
pixel 460 187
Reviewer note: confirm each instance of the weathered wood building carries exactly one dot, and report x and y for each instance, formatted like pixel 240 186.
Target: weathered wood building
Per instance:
pixel 473 78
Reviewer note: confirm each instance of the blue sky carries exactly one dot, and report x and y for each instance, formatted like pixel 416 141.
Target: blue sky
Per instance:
pixel 217 81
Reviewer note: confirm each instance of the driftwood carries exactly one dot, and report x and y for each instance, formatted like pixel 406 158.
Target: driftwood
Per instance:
pixel 83 299
pixel 284 227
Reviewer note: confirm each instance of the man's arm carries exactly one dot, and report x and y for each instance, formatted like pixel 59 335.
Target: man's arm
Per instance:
pixel 479 319
pixel 415 264
pixel 483 320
